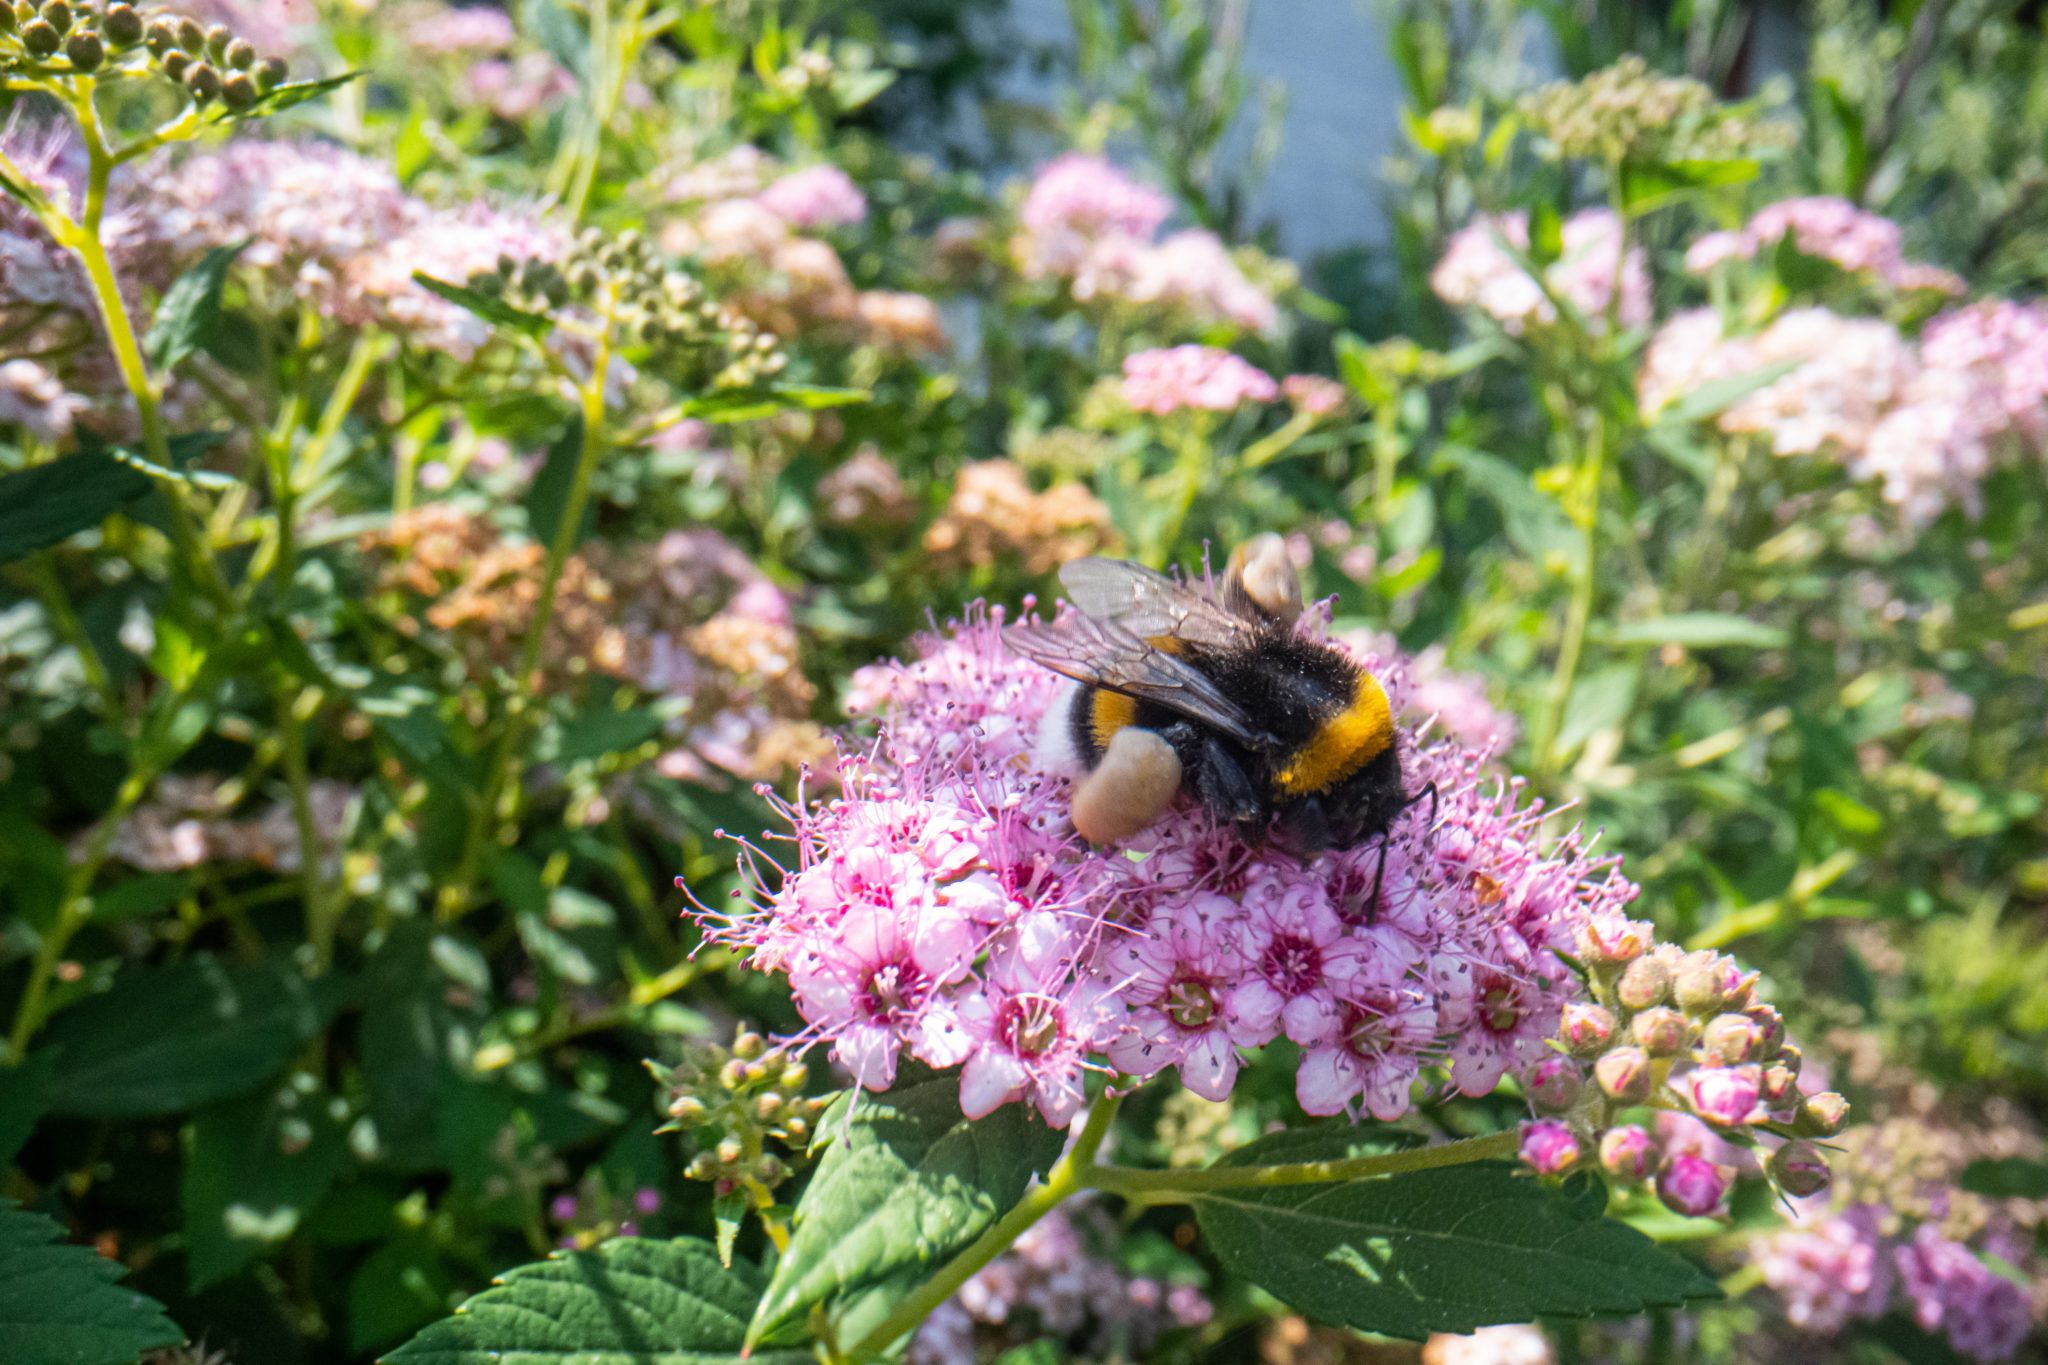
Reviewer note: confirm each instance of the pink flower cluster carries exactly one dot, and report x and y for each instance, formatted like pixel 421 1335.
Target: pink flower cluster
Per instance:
pixel 339 232
pixel 821 196
pixel 1829 229
pixel 463 30
pixel 1475 272
pixel 1053 1285
pixel 943 906
pixel 1198 378
pixel 1845 1268
pixel 1315 395
pixel 1929 421
pixel 36 401
pixel 1085 223
pixel 1675 1031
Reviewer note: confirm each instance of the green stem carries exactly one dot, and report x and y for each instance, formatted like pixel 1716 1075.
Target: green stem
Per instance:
pixel 323 912
pixel 74 912
pixel 456 896
pixel 82 238
pixel 1162 1186
pixel 1068 1177
pixel 1590 477
pixel 1190 469
pixel 42 570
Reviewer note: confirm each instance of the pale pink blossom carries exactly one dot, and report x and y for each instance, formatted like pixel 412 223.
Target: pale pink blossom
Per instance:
pixel 821 196
pixel 1476 272
pixel 1198 378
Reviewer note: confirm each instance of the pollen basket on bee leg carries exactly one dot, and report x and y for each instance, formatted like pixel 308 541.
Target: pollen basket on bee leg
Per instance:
pixel 1131 787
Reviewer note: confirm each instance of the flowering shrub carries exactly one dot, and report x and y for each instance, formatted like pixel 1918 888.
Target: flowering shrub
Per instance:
pixel 460 464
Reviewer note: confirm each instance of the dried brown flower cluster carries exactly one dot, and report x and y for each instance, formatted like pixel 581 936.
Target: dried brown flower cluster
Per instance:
pixel 1627 112
pixel 995 516
pixel 865 491
pixel 686 616
pixel 1908 1165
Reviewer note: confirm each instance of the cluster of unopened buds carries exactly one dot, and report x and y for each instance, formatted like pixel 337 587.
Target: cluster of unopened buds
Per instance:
pixel 1681 1032
pixel 209 62
pixel 1628 111
pixel 732 1101
pixel 648 302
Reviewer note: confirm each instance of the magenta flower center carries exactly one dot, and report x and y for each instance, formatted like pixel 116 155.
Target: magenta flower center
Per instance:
pixel 1031 1024
pixel 894 991
pixel 1189 1002
pixel 1293 964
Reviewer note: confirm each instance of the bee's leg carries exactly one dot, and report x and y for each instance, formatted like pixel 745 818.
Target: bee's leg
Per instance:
pixel 1225 789
pixel 1129 789
pixel 1428 792
pixel 1379 877
pixel 1380 873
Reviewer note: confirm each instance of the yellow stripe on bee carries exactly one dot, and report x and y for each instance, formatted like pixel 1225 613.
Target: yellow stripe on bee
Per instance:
pixel 1109 712
pixel 1342 744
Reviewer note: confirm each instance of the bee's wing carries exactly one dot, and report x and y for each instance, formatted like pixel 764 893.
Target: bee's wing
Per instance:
pixel 1104 654
pixel 1149 604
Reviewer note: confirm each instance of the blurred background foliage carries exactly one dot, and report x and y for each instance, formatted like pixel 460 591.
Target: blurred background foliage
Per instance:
pixel 332 948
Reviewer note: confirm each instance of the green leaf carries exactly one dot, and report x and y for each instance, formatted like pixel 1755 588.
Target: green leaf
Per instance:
pixel 556 30
pixel 189 309
pixel 632 1301
pixel 141 897
pixel 907 1182
pixel 1716 396
pixel 59 1304
pixel 45 503
pixel 400 1288
pixel 1645 187
pixel 1442 1250
pixel 1697 630
pixel 2010 1177
pixel 730 1213
pixel 254 1168
pixel 492 310
pixel 167 1039
pixel 548 496
pixel 294 93
pixel 21 1101
pixel 744 405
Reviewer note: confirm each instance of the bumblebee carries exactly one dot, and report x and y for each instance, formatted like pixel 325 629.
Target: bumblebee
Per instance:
pixel 1214 693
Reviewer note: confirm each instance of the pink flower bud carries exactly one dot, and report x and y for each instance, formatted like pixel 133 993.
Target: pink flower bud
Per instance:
pixel 1624 1074
pixel 1780 1086
pixel 1585 1029
pixel 1628 1153
pixel 1700 990
pixel 1799 1169
pixel 1646 983
pixel 1790 1057
pixel 1549 1147
pixel 1725 1096
pixel 1692 1185
pixel 1554 1083
pixel 1611 941
pixel 1821 1115
pixel 1770 1028
pixel 1661 1032
pixel 1730 1040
